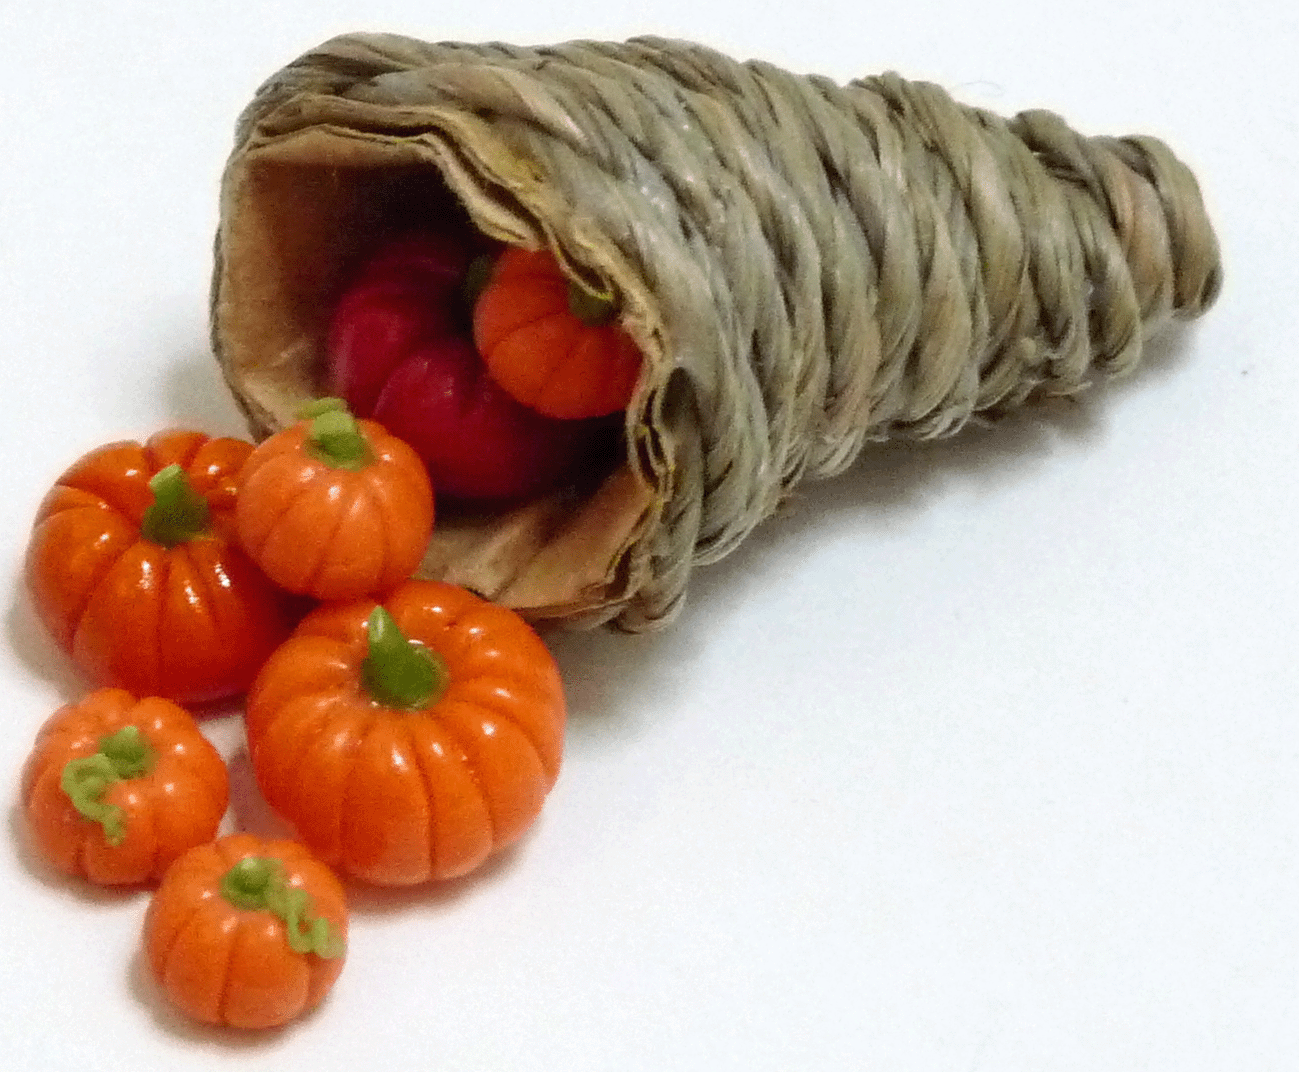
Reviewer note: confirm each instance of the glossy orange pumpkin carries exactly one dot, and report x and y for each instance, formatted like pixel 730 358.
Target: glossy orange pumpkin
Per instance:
pixel 246 933
pixel 116 788
pixel 134 569
pixel 408 740
pixel 334 508
pixel 550 343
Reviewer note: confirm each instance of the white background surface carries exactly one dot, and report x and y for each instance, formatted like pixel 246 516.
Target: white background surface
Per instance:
pixel 983 758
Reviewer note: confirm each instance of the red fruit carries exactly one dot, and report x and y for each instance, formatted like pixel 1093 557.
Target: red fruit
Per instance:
pixel 477 442
pixel 407 293
pixel 376 326
pixel 439 258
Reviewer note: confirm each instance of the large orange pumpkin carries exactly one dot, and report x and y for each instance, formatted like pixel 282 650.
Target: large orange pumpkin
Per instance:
pixel 406 741
pixel 133 567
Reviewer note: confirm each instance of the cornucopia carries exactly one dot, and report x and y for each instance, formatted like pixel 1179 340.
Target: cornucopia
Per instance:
pixel 806 268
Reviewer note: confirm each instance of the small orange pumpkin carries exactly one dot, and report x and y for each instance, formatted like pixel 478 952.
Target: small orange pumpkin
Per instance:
pixel 246 933
pixel 333 507
pixel 116 788
pixel 552 344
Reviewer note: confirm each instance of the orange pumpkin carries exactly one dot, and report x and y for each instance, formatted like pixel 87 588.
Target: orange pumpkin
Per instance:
pixel 134 569
pixel 408 740
pixel 552 344
pixel 246 933
pixel 334 508
pixel 117 788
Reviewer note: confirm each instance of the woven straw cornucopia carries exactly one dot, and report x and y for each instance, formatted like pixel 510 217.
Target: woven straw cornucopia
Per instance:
pixel 807 268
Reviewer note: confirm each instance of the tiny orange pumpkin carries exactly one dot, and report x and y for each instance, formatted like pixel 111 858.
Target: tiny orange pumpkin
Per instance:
pixel 333 507
pixel 116 787
pixel 551 343
pixel 248 933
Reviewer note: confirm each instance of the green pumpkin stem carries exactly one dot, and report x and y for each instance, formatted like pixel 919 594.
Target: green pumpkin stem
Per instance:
pixel 257 884
pixel 124 755
pixel 398 672
pixel 476 278
pixel 334 436
pixel 594 310
pixel 178 513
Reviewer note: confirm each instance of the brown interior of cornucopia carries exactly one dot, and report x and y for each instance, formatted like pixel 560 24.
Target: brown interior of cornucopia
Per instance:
pixel 569 556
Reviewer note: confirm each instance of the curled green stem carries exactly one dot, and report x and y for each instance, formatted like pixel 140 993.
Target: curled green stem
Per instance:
pixel 333 435
pixel 123 755
pixel 178 513
pixel 257 884
pixel 399 672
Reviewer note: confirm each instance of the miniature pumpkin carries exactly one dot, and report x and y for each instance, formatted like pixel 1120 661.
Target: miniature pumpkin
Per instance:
pixel 334 508
pixel 408 740
pixel 552 344
pixel 133 567
pixel 246 933
pixel 116 787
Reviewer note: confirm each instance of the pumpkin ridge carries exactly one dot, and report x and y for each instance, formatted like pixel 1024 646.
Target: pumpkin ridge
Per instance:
pixel 203 607
pixel 88 592
pixel 82 857
pixel 104 720
pixel 193 445
pixel 502 291
pixel 164 583
pixel 69 852
pixel 447 628
pixel 340 514
pixel 263 455
pixel 62 498
pixel 137 820
pixel 86 476
pixel 219 466
pixel 195 768
pixel 509 784
pixel 149 789
pixel 165 954
pixel 467 761
pixel 351 779
pixel 142 684
pixel 232 936
pixel 285 507
pixel 215 603
pixel 378 505
pixel 554 361
pixel 434 819
pixel 312 727
pixel 391 453
pixel 502 710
